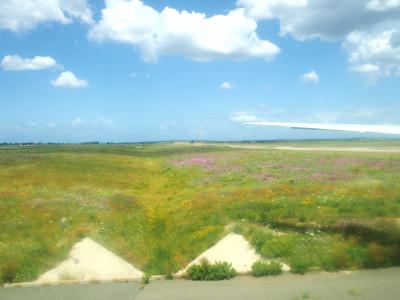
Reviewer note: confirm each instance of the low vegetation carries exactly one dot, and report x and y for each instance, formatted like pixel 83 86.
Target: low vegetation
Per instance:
pixel 208 271
pixel 159 206
pixel 261 268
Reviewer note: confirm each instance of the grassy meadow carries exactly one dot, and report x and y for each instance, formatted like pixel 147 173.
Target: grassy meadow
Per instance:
pixel 159 206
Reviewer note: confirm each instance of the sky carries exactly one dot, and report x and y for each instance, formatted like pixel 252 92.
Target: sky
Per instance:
pixel 131 70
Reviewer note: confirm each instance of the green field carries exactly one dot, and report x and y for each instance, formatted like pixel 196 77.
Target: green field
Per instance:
pixel 159 206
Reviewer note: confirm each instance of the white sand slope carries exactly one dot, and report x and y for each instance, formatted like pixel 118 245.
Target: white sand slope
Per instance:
pixel 233 249
pixel 91 261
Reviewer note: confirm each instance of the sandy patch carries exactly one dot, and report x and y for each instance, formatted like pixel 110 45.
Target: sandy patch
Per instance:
pixel 233 249
pixel 90 261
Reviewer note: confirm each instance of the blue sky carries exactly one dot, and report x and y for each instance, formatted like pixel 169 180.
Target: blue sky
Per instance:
pixel 93 71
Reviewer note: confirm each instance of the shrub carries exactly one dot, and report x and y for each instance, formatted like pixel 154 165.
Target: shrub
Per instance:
pixel 341 259
pixel 377 255
pixel 8 272
pixel 281 246
pixel 261 268
pixel 299 265
pixel 358 255
pixel 207 271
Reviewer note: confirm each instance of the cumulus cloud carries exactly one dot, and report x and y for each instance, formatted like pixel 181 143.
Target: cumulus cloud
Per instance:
pixel 381 5
pixel 67 79
pixel 309 77
pixel 22 15
pixel 226 86
pixel 17 63
pixel 369 29
pixel 261 9
pixel 375 51
pixel 370 71
pixel 189 34
pixel 328 19
pixel 395 39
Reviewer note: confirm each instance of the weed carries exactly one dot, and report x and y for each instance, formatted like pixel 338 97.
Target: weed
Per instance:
pixel 145 279
pixel 299 264
pixel 261 268
pixel 208 271
pixel 8 271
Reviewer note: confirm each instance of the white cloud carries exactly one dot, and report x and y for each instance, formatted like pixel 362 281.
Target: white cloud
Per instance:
pixel 371 72
pixel 381 5
pixel 309 77
pixel 189 34
pixel 375 51
pixel 17 63
pixel 328 19
pixel 67 79
pixel 369 29
pixel 78 9
pixel 243 117
pixel 226 86
pixel 22 15
pixel 395 39
pixel 366 69
pixel 261 9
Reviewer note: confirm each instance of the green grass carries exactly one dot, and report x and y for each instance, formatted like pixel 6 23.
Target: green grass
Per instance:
pixel 157 209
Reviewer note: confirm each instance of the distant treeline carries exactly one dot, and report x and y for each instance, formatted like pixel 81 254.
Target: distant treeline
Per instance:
pixel 199 142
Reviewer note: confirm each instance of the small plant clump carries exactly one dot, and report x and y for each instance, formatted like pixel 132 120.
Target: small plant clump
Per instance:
pixel 145 279
pixel 207 271
pixel 299 265
pixel 8 272
pixel 261 268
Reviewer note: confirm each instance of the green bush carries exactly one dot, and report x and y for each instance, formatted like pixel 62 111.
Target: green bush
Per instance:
pixel 261 268
pixel 358 255
pixel 378 255
pixel 341 259
pixel 207 271
pixel 299 265
pixel 8 272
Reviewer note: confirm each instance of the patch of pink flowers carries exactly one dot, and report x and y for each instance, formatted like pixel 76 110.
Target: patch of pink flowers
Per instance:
pixel 205 162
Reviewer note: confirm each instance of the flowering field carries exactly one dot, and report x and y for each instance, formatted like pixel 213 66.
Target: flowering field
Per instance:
pixel 159 206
